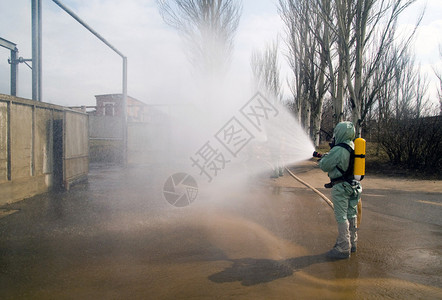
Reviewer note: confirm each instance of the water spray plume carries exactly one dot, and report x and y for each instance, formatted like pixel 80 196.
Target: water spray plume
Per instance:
pixel 242 140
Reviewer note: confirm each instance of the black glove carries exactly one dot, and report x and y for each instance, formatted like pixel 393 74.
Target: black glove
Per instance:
pixel 332 143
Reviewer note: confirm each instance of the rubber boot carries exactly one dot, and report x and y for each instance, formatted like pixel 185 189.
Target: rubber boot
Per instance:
pixel 341 250
pixel 353 234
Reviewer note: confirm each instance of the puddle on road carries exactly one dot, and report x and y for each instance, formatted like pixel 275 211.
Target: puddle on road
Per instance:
pixel 6 212
pixel 196 255
pixel 245 248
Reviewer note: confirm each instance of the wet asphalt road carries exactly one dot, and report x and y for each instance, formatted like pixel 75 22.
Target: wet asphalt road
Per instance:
pixel 116 237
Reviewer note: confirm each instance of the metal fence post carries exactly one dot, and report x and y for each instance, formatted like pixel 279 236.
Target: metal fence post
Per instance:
pixel 36 50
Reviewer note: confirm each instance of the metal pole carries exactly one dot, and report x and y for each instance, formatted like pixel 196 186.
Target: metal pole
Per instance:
pixel 14 63
pixel 40 52
pixel 124 100
pixel 79 20
pixel 36 50
pixel 124 104
pixel 14 72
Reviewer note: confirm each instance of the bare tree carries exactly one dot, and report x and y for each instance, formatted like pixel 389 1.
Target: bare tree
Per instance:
pixel 208 27
pixel 409 90
pixel 438 74
pixel 409 136
pixel 372 36
pixel 439 92
pixel 339 21
pixel 320 63
pixel 291 13
pixel 309 53
pixel 266 71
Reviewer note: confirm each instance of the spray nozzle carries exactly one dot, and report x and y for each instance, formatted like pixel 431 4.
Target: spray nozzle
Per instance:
pixel 317 154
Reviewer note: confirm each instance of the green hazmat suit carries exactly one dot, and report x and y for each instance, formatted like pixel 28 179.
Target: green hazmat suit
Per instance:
pixel 345 196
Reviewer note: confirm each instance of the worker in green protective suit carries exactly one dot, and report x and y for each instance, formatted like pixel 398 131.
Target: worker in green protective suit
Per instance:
pixel 345 193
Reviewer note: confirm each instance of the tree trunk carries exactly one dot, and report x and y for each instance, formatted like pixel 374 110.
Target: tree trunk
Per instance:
pixel 338 104
pixel 316 124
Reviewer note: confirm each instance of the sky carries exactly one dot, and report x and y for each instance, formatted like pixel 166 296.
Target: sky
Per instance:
pixel 77 66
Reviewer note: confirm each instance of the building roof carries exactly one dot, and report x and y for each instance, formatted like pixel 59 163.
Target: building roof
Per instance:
pixel 118 97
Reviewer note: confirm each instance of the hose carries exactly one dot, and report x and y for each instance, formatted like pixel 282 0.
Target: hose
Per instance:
pixel 312 188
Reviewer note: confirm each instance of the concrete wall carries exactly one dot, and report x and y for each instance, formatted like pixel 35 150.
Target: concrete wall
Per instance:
pixel 27 157
pixel 105 127
pixel 3 142
pixel 157 139
pixel 105 139
pixel 75 147
pixel 147 143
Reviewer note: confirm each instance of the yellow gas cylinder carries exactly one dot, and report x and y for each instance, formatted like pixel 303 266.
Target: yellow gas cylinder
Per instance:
pixel 359 165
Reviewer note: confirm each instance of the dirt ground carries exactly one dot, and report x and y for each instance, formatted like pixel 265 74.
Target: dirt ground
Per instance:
pixel 310 172
pixel 116 237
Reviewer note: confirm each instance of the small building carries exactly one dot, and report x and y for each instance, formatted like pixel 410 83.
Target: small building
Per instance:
pixel 147 129
pixel 111 105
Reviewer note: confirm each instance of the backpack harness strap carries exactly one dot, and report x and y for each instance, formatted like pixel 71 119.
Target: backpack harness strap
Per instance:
pixel 347 176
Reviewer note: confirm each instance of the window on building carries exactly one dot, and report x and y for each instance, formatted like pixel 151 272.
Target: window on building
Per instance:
pixel 109 109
